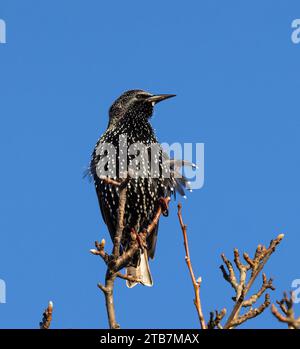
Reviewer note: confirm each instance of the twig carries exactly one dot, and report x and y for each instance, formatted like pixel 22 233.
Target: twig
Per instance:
pixel 215 319
pixel 231 276
pixel 110 181
pixel 108 291
pixel 127 277
pixel 100 250
pixel 266 284
pixel 47 317
pixel 110 277
pixel 196 283
pixel 251 313
pixel 287 307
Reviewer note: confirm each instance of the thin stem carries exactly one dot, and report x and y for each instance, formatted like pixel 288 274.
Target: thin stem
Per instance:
pixel 108 291
pixel 196 283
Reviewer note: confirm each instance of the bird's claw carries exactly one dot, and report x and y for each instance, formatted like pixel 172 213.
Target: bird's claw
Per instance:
pixel 164 204
pixel 139 239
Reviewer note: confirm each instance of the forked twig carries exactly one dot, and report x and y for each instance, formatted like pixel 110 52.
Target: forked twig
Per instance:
pixel 215 319
pixel 242 287
pixel 286 305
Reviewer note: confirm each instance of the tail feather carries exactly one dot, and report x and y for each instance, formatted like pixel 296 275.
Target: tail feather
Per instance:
pixel 141 272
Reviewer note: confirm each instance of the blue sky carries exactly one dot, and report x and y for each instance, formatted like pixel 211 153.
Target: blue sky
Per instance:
pixel 236 73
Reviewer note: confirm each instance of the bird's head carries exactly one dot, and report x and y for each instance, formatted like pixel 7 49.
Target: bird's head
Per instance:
pixel 135 103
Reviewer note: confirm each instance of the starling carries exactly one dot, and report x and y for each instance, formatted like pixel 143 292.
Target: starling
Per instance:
pixel 129 118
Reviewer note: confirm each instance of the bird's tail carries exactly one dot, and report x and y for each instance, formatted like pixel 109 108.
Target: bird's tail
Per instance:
pixel 141 272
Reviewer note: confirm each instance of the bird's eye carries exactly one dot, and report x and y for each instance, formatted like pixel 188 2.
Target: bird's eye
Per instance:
pixel 140 96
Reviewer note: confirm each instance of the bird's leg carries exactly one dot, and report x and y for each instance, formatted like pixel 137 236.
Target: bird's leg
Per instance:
pixel 164 204
pixel 162 210
pixel 139 238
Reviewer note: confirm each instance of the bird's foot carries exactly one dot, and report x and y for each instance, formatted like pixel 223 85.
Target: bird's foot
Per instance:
pixel 164 204
pixel 139 238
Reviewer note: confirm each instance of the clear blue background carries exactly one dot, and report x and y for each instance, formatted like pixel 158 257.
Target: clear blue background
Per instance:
pixel 236 73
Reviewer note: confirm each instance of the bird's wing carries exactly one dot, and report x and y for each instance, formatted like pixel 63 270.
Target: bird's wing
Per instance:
pixel 106 215
pixel 100 185
pixel 151 242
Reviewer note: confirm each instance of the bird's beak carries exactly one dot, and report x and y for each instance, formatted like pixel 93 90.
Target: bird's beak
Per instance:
pixel 158 98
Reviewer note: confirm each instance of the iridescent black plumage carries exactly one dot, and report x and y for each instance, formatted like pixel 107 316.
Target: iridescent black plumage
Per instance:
pixel 129 116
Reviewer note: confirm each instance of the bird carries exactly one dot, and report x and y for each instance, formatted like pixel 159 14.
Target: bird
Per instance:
pixel 129 122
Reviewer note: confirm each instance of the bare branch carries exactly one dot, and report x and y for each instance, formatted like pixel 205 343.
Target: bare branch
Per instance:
pixel 267 284
pixel 110 181
pixel 127 277
pixel 108 291
pixel 110 277
pixel 286 305
pixel 231 278
pixel 252 312
pixel 196 283
pixel 100 250
pixel 256 265
pixel 215 319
